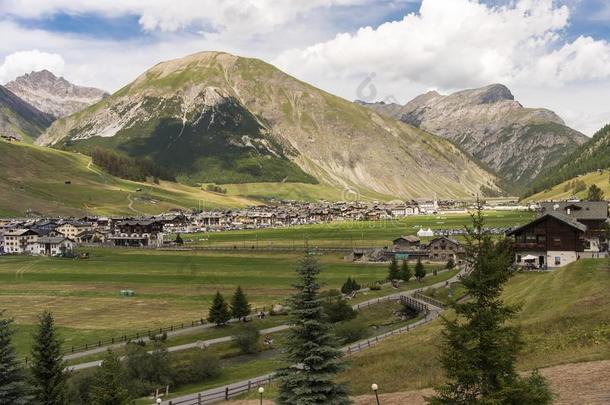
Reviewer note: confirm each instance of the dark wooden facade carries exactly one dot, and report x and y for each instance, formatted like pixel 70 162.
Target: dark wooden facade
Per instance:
pixel 548 234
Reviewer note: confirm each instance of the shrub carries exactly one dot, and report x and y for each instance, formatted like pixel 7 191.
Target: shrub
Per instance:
pixel 350 286
pixel 374 287
pixel 351 331
pixel 246 338
pixel 201 366
pixel 337 309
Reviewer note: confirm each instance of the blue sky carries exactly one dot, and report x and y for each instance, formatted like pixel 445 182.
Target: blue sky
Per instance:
pixel 551 53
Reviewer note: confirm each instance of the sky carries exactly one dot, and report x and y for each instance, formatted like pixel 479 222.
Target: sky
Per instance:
pixel 550 53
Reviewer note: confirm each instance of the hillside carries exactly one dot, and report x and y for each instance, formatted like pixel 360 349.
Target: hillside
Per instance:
pixel 54 95
pixel 34 178
pixel 564 318
pixel 592 156
pixel 19 119
pixel 215 117
pixel 516 142
pixel 575 187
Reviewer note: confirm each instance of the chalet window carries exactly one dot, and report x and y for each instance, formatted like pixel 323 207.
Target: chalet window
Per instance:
pixel 556 239
pixel 530 238
pixel 557 260
pixel 541 238
pixel 518 258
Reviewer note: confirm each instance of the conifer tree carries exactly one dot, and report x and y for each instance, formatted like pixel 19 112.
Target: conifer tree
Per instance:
pixel 109 383
pixel 240 308
pixel 595 193
pixel 405 272
pixel 13 386
pixel 219 311
pixel 48 376
pixel 393 270
pixel 311 348
pixel 479 350
pixel 420 271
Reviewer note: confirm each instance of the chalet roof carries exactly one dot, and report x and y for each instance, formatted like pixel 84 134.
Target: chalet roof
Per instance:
pixel 53 240
pixel 21 232
pixel 563 218
pixel 408 238
pixel 578 209
pixel 136 223
pixel 444 238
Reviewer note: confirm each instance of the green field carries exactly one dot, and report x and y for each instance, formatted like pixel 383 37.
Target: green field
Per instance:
pixel 350 233
pixel 170 287
pixel 565 318
pixel 34 178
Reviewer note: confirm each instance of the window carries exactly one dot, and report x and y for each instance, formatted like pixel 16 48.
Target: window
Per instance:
pixel 556 239
pixel 557 260
pixel 518 258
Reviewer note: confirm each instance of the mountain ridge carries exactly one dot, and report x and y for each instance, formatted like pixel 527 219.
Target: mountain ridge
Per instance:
pixel 284 127
pixel 20 119
pixel 54 95
pixel 516 142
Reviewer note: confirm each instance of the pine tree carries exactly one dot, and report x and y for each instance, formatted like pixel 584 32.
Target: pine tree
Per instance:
pixel 348 286
pixel 393 271
pixel 48 376
pixel 311 347
pixel 450 263
pixel 479 350
pixel 405 272
pixel 13 386
pixel 595 193
pixel 219 311
pixel 240 308
pixel 109 383
pixel 179 240
pixel 420 271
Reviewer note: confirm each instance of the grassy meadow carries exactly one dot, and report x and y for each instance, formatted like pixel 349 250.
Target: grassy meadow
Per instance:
pixel 34 178
pixel 350 233
pixel 170 287
pixel 565 318
pixel 563 191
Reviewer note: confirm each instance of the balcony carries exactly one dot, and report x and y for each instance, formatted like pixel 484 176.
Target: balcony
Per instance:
pixel 529 246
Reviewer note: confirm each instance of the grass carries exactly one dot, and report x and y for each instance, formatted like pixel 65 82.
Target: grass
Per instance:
pixel 564 318
pixel 562 192
pixel 170 287
pixel 34 179
pixel 350 233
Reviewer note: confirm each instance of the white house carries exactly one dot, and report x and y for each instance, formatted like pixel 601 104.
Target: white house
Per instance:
pixel 53 246
pixel 20 241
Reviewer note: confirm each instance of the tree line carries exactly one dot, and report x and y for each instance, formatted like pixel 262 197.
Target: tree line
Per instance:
pixel 129 168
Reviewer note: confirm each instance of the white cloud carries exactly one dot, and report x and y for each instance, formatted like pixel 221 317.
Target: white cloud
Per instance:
pixel 21 62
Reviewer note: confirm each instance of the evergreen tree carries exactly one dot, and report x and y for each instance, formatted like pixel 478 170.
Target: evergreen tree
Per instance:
pixel 13 386
pixel 479 349
pixel 346 288
pixel 48 376
pixel 420 271
pixel 240 308
pixel 179 240
pixel 219 311
pixel 450 263
pixel 355 285
pixel 393 271
pixel 595 193
pixel 109 383
pixel 311 348
pixel 405 272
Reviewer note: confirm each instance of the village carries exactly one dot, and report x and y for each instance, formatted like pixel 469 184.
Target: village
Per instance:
pixel 561 233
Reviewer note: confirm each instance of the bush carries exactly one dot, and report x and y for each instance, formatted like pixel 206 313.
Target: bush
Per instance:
pixel 374 287
pixel 79 387
pixel 350 286
pixel 352 331
pixel 146 371
pixel 246 339
pixel 336 307
pixel 201 366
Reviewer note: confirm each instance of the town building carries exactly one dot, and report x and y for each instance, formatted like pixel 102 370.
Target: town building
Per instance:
pixel 138 233
pixel 53 246
pixel 20 241
pixel 444 248
pixel 406 243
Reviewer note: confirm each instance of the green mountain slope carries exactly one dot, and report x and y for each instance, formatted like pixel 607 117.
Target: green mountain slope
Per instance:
pixel 19 119
pixel 215 117
pixel 592 156
pixel 49 181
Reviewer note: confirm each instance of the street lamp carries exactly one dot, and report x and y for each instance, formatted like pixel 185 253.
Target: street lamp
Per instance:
pixel 375 387
pixel 261 391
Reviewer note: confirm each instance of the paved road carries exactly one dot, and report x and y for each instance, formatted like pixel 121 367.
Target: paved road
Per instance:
pixel 217 394
pixel 224 339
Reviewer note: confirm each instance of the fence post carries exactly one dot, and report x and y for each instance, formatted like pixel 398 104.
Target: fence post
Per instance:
pixel 199 399
pixel 227 394
pixel 249 385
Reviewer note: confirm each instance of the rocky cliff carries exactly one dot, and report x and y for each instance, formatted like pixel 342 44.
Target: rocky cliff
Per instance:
pixel 19 119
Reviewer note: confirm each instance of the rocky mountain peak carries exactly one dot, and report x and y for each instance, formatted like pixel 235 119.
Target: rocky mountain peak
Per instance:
pixel 54 95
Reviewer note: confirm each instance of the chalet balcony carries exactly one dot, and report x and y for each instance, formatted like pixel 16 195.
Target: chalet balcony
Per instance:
pixel 528 246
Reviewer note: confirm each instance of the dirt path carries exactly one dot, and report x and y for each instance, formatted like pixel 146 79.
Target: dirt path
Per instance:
pixel 574 384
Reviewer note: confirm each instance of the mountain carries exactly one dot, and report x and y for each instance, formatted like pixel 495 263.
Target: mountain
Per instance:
pixel 216 117
pixel 54 182
pixel 54 95
pixel 590 157
pixel 19 119
pixel 516 142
